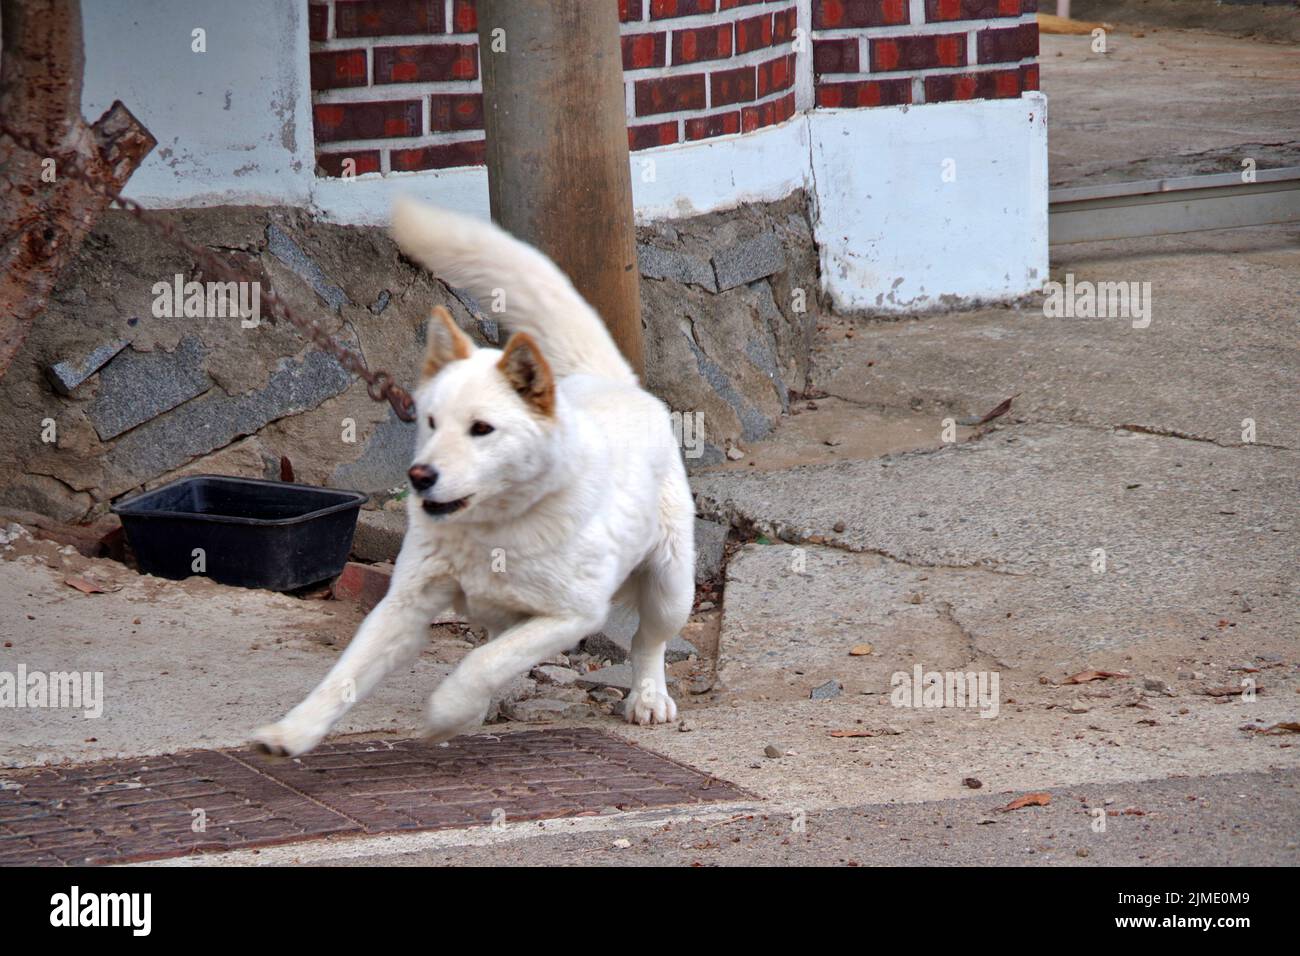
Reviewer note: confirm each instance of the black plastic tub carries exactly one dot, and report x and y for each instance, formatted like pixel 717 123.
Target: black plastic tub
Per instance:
pixel 253 534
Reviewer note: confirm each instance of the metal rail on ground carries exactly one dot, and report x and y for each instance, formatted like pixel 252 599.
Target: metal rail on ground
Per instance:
pixel 1162 207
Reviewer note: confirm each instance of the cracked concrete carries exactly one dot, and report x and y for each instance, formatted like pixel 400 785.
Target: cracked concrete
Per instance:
pixel 1214 355
pixel 1038 501
pixel 1113 519
pixel 1122 446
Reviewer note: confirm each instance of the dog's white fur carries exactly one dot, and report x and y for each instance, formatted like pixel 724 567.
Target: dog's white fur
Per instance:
pixel 571 507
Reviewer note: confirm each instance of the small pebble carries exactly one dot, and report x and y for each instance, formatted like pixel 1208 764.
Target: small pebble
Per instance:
pixel 700 685
pixel 826 691
pixel 1157 686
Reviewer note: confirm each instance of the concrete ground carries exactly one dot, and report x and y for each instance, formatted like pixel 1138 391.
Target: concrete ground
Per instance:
pixel 1264 20
pixel 857 524
pixel 1205 103
pixel 1224 820
pixel 1116 519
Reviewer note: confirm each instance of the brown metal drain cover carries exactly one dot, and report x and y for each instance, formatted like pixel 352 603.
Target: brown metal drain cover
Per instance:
pixel 148 808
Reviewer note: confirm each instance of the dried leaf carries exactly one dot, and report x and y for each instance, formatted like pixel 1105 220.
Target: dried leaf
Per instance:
pixel 1084 676
pixel 89 586
pixel 998 412
pixel 1028 800
pixel 1287 727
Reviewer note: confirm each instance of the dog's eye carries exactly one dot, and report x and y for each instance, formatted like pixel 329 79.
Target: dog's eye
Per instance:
pixel 479 429
pixel 431 424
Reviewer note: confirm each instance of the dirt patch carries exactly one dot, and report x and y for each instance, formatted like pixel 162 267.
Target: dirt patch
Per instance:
pixel 825 430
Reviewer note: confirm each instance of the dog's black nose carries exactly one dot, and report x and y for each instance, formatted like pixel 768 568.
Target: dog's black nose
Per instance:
pixel 422 476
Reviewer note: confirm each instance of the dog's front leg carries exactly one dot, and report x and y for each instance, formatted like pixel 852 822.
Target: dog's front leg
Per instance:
pixel 390 636
pixel 461 701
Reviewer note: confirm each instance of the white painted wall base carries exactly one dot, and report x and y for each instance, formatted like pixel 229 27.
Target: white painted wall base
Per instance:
pixel 672 182
pixel 366 200
pixel 688 179
pixel 929 206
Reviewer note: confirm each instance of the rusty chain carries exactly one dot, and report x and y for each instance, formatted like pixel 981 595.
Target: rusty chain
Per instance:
pixel 379 383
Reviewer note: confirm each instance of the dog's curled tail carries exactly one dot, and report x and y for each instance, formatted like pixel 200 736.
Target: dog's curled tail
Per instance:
pixel 530 291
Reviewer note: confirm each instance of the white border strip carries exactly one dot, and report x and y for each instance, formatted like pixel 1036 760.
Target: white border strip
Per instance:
pixel 668 182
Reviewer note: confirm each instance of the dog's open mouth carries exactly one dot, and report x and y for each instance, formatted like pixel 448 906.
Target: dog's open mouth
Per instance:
pixel 439 508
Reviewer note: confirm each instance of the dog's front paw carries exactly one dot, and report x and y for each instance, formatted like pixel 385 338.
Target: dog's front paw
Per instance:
pixel 453 711
pixel 287 739
pixel 649 706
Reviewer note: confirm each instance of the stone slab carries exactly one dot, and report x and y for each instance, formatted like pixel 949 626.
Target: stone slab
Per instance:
pixel 138 386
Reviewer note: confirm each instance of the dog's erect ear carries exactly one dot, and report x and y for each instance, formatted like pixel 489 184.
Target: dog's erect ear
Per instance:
pixel 444 343
pixel 528 374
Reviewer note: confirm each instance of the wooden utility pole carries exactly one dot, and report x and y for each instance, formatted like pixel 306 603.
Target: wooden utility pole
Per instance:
pixel 557 156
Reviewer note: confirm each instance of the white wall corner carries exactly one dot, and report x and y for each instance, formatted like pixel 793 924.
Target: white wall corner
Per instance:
pixel 931 206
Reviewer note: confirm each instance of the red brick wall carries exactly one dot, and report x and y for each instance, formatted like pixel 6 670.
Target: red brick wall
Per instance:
pixel 890 52
pixel 395 83
pixel 702 68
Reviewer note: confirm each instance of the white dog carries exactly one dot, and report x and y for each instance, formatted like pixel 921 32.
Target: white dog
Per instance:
pixel 547 486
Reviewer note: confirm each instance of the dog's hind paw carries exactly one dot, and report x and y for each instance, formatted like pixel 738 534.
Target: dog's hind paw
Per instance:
pixel 285 740
pixel 649 707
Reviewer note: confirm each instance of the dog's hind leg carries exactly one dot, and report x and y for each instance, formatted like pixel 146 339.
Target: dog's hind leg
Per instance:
pixel 665 596
pixel 390 635
pixel 461 701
